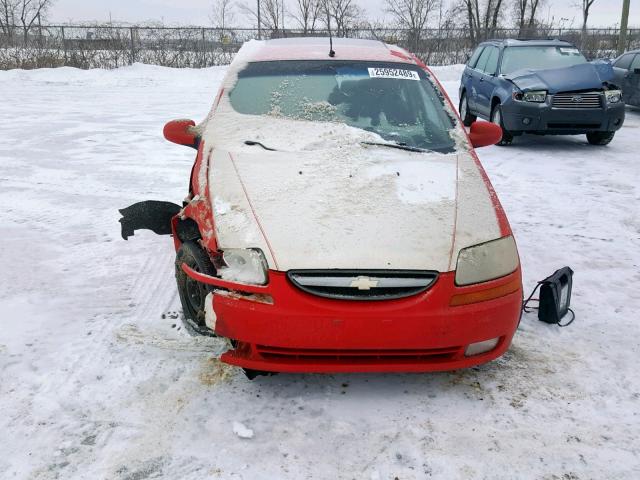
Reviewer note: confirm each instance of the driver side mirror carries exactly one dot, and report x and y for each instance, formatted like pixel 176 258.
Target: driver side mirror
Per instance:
pixel 483 134
pixel 182 133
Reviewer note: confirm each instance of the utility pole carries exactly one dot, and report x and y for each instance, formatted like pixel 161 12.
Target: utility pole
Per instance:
pixel 624 22
pixel 259 22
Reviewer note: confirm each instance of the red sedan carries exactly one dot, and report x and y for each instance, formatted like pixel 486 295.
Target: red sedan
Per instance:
pixel 338 218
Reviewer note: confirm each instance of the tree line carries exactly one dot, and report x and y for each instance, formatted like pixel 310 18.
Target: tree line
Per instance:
pixel 480 17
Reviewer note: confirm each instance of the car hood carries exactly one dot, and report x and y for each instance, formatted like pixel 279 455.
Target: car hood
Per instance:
pixel 586 76
pixel 357 208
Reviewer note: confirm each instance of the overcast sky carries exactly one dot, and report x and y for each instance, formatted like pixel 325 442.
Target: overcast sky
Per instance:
pixel 604 13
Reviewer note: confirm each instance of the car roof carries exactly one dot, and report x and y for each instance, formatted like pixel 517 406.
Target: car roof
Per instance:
pixel 317 48
pixel 525 42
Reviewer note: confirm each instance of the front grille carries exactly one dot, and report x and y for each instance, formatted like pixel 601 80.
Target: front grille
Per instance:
pixel 577 100
pixel 363 284
pixel 427 355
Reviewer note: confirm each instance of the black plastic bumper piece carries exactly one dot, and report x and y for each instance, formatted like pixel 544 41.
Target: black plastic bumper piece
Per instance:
pixel 151 215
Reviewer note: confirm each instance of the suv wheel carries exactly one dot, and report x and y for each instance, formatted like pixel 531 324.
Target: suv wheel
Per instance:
pixel 193 293
pixel 496 117
pixel 600 138
pixel 465 114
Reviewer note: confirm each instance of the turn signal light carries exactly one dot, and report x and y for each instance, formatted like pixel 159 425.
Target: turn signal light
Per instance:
pixel 485 295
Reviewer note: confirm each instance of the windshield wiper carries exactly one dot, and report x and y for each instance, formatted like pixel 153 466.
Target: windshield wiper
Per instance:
pixel 399 146
pixel 253 142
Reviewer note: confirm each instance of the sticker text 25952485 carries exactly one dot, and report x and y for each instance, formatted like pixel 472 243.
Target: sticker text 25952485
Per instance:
pixel 399 73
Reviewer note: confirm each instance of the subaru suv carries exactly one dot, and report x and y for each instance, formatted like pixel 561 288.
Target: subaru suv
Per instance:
pixel 544 87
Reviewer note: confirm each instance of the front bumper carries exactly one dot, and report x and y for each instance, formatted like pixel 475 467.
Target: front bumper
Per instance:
pixel 542 118
pixel 284 329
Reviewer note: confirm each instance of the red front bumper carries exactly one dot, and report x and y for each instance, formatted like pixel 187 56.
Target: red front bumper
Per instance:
pixel 300 332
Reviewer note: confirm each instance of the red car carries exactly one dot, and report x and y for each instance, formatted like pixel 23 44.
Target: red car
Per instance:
pixel 338 218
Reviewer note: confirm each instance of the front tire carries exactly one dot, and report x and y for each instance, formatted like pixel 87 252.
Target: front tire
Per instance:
pixel 192 293
pixel 600 138
pixel 496 117
pixel 465 114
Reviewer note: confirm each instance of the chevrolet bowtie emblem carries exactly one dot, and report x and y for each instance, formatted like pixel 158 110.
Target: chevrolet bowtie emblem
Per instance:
pixel 364 283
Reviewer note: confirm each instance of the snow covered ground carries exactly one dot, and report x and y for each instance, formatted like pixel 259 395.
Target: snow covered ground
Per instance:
pixel 98 380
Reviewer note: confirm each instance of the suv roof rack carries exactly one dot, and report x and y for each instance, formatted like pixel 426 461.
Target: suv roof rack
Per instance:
pixel 533 39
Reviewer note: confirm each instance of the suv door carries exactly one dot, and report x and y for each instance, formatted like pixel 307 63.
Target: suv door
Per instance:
pixel 468 76
pixel 621 71
pixel 486 83
pixel 477 79
pixel 633 82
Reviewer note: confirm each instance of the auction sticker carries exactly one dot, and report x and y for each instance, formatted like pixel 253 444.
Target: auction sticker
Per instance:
pixel 400 73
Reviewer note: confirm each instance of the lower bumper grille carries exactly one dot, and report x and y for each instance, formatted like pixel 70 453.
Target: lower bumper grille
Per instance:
pixel 576 126
pixel 357 356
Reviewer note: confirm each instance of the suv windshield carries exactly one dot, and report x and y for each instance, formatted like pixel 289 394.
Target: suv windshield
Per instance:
pixel 396 101
pixel 540 58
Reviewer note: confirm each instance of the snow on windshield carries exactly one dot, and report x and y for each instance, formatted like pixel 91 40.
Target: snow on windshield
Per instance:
pixel 395 101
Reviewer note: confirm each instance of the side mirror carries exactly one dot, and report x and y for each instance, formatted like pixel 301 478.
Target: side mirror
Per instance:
pixel 181 132
pixel 483 134
pixel 636 71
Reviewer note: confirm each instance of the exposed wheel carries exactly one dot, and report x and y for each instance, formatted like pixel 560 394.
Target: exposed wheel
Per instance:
pixel 193 293
pixel 465 114
pixel 496 117
pixel 600 138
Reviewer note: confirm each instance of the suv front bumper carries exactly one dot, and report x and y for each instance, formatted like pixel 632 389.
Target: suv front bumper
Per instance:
pixel 543 118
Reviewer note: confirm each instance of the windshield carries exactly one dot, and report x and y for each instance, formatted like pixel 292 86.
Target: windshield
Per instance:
pixel 540 58
pixel 395 101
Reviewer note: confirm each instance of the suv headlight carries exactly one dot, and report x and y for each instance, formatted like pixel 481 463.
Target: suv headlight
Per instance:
pixel 487 261
pixel 243 265
pixel 613 96
pixel 537 96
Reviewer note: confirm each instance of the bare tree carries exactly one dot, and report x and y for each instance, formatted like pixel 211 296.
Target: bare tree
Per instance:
pixel 30 11
pixel 413 16
pixel 482 17
pixel 222 13
pixel 586 6
pixel 307 13
pixel 8 14
pixel 271 14
pixel 344 15
pixel 526 15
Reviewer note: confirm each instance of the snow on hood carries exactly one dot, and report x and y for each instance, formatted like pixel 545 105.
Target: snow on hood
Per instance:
pixel 356 208
pixel 585 76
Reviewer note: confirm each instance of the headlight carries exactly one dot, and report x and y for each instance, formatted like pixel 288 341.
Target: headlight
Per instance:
pixel 613 96
pixel 244 266
pixel 538 96
pixel 487 261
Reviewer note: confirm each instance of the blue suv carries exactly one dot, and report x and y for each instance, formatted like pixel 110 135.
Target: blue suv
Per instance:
pixel 544 87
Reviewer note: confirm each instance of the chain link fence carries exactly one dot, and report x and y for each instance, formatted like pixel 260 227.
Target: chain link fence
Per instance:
pixel 106 46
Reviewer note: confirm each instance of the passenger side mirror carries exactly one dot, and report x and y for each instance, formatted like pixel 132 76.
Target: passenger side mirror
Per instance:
pixel 483 134
pixel 181 132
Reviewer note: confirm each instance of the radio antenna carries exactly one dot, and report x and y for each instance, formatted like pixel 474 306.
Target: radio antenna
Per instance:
pixel 331 52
